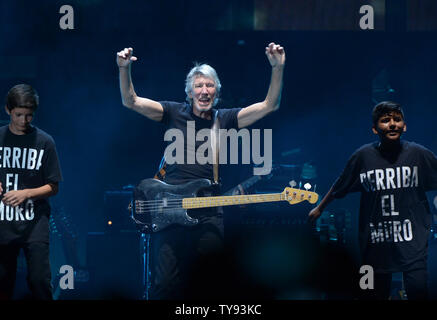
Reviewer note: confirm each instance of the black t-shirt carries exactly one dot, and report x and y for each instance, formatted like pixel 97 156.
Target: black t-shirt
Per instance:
pixel 395 219
pixel 178 116
pixel 26 161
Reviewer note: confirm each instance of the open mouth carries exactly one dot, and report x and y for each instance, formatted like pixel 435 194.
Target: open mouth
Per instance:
pixel 204 101
pixel 393 133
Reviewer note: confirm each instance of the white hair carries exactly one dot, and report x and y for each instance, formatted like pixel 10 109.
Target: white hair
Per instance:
pixel 206 71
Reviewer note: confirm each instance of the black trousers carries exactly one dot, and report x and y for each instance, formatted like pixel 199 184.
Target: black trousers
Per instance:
pixel 38 269
pixel 415 283
pixel 186 261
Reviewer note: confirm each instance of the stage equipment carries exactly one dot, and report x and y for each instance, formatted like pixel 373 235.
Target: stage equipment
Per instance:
pixel 114 262
pixel 120 219
pixel 114 207
pixel 62 227
pixel 334 226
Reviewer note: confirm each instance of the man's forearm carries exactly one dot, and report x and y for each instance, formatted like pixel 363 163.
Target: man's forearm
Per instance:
pixel 126 87
pixel 256 111
pixel 273 98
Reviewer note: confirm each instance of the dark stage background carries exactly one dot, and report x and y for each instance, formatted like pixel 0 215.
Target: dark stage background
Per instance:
pixel 334 74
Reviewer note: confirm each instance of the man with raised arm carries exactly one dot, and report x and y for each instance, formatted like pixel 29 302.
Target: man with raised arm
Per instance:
pixel 175 249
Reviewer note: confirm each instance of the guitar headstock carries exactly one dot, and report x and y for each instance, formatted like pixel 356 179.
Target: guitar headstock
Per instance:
pixel 294 196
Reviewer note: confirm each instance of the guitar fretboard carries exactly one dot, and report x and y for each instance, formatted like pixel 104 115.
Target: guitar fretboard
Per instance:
pixel 207 202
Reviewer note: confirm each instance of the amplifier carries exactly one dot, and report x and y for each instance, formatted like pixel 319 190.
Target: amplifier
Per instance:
pixel 114 262
pixel 116 212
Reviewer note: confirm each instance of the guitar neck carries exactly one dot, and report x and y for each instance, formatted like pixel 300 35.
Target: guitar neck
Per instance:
pixel 208 202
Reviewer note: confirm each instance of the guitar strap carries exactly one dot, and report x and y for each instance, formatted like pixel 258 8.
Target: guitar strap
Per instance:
pixel 160 175
pixel 215 144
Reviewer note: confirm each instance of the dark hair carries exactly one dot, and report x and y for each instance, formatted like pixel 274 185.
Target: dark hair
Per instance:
pixel 22 96
pixel 384 108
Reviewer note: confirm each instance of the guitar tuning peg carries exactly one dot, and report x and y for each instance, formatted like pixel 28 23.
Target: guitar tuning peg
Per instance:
pixel 300 184
pixel 292 183
pixel 315 187
pixel 307 186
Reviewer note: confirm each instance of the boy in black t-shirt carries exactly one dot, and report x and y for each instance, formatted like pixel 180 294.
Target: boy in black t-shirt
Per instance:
pixel 29 174
pixel 393 176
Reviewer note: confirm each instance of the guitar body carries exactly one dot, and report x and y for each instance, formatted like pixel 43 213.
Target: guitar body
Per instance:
pixel 157 204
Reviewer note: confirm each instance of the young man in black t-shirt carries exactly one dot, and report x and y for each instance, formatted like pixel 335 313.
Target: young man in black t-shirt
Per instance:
pixel 176 248
pixel 29 174
pixel 393 177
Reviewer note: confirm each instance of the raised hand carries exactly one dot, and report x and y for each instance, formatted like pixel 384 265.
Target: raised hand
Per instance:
pixel 125 57
pixel 276 55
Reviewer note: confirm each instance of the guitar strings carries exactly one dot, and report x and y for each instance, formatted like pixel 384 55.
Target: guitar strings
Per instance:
pixel 169 208
pixel 173 201
pixel 160 210
pixel 141 202
pixel 141 211
pixel 144 206
pixel 150 205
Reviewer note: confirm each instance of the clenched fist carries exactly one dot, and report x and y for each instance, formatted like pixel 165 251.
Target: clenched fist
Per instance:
pixel 125 57
pixel 276 55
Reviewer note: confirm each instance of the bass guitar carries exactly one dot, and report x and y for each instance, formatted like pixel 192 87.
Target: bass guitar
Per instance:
pixel 157 205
